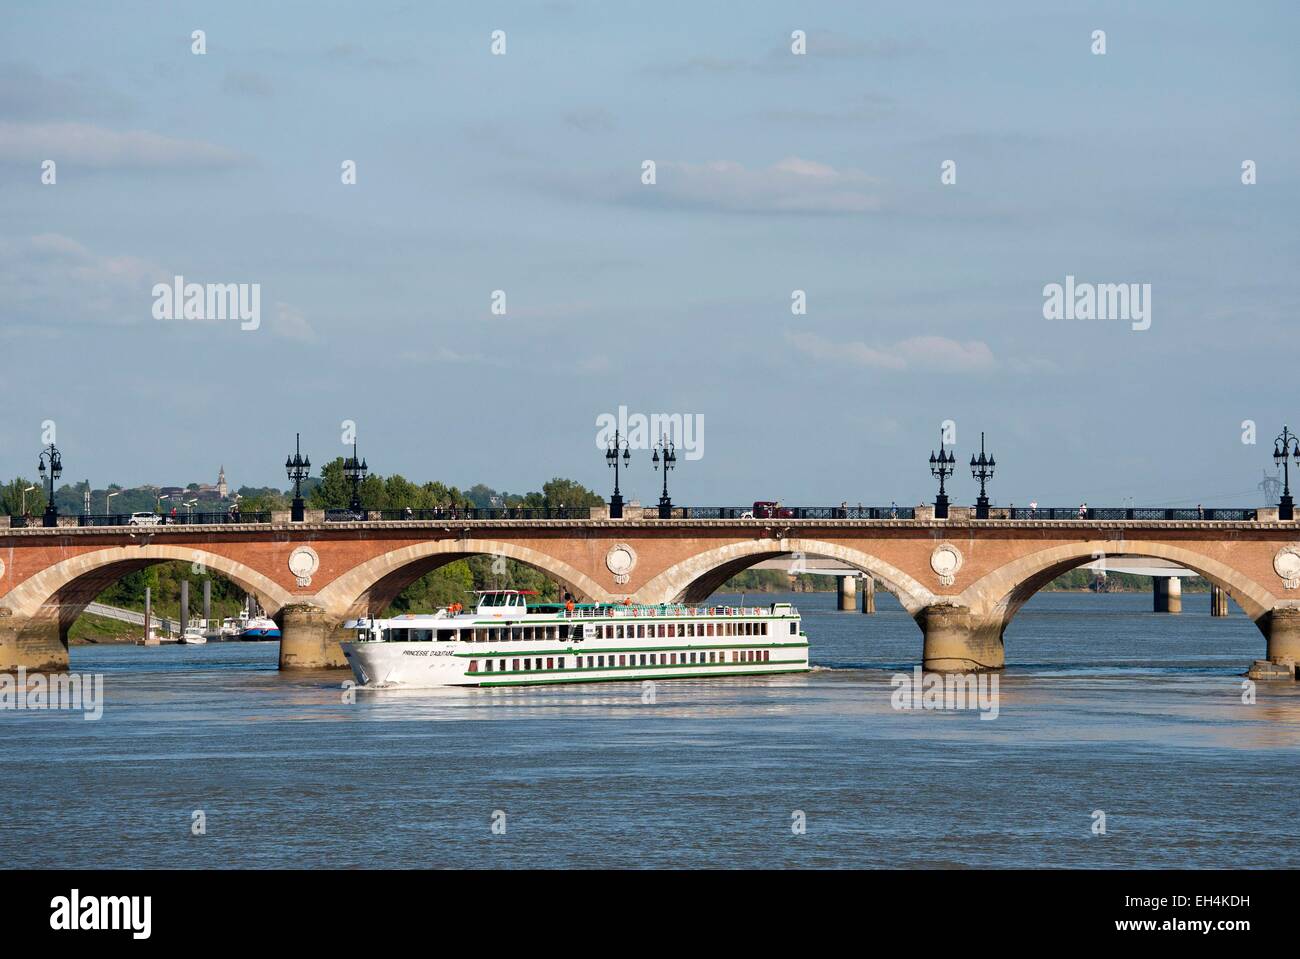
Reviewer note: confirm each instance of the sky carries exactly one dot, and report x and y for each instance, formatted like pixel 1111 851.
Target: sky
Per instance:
pixel 774 172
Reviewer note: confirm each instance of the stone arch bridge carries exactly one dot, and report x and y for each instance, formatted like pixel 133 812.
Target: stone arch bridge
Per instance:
pixel 962 580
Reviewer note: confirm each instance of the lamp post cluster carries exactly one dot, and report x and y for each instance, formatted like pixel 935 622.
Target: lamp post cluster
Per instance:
pixel 298 468
pixel 1287 444
pixel 355 470
pixel 669 461
pixel 613 453
pixel 944 464
pixel 55 460
pixel 982 470
pixel 618 455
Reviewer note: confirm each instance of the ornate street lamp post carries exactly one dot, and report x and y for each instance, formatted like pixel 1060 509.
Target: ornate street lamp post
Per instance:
pixel 1285 445
pixel 298 468
pixel 56 470
pixel 982 470
pixel 612 453
pixel 942 466
pixel 670 462
pixel 355 470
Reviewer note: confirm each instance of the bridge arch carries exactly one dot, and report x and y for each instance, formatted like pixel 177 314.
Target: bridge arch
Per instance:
pixel 1006 589
pixel 695 578
pixel 374 584
pixel 63 590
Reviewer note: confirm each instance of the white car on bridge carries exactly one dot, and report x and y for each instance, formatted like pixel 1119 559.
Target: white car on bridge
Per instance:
pixel 144 519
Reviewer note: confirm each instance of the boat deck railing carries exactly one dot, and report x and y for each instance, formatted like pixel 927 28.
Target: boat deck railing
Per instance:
pixel 673 610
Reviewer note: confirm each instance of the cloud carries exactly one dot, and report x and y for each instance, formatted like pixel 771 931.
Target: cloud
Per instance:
pixel 937 353
pixel 356 55
pixel 836 46
pixel 247 83
pixel 28 94
pixel 792 186
pixel 822 46
pixel 590 120
pixel 866 108
pixel 288 322
pixel 101 148
pixel 51 280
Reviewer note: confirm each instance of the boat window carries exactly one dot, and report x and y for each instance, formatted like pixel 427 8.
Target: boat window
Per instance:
pixel 397 635
pixel 792 629
pixel 517 633
pixel 473 665
pixel 445 635
pixel 564 631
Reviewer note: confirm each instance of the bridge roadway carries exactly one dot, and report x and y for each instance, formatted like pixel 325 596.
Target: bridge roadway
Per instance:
pixel 962 580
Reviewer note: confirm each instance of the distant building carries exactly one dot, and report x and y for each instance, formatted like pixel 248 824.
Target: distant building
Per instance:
pixel 208 492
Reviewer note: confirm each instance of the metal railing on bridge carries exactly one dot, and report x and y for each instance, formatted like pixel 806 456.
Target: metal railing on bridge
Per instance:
pixel 792 512
pixel 1140 513
pixel 151 520
pixel 458 512
pixel 1128 513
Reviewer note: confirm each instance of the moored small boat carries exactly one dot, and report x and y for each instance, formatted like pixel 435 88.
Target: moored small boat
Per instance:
pixel 193 636
pixel 260 628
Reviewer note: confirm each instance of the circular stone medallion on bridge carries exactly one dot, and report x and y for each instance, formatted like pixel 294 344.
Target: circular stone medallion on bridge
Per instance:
pixel 1287 565
pixel 303 561
pixel 946 560
pixel 621 560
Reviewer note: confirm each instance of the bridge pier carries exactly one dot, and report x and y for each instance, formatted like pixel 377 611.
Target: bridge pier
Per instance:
pixel 957 640
pixel 848 586
pixel 1281 627
pixel 868 594
pixel 31 645
pixel 309 639
pixel 1218 601
pixel 1167 592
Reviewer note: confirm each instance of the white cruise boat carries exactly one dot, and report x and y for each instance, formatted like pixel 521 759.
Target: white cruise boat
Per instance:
pixel 506 642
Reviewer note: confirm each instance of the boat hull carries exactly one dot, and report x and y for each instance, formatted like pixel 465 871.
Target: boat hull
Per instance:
pixel 257 635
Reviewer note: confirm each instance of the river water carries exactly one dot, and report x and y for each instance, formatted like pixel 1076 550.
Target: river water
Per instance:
pixel 1104 707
